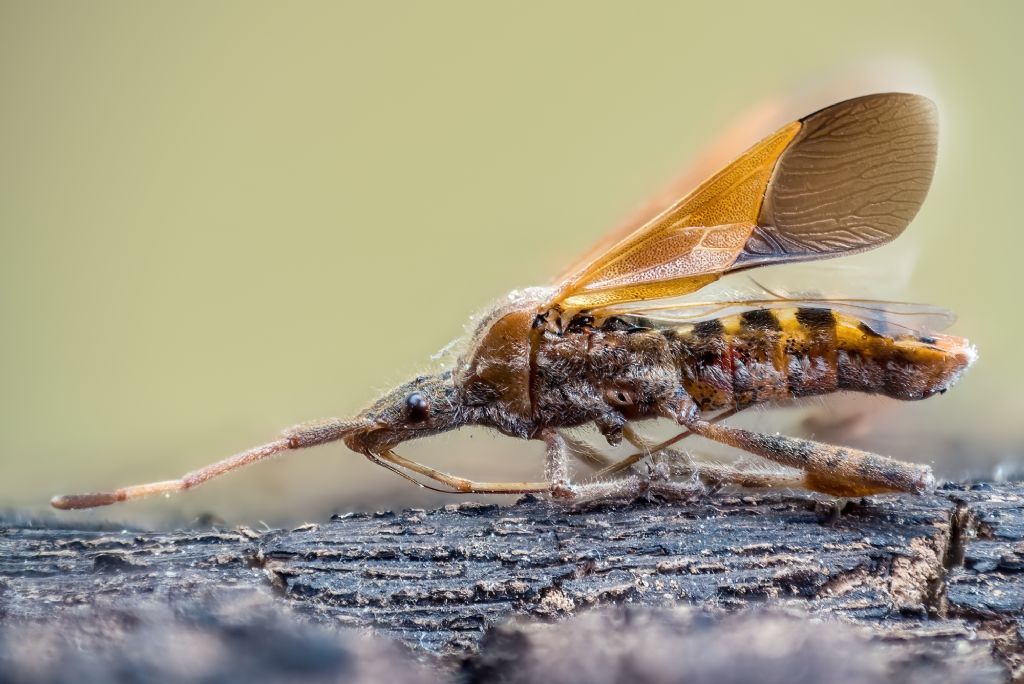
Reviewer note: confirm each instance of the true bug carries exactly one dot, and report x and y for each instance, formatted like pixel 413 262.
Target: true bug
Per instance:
pixel 614 341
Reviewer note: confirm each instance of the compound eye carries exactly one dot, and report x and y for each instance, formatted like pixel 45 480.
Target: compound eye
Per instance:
pixel 417 408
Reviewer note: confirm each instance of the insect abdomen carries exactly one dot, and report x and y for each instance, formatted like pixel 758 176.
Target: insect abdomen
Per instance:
pixel 771 355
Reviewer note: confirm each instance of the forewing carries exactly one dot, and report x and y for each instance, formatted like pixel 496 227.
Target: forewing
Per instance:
pixel 835 84
pixel 755 123
pixel 842 180
pixel 688 245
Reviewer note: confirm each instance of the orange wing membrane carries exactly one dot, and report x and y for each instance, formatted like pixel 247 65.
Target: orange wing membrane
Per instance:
pixel 842 180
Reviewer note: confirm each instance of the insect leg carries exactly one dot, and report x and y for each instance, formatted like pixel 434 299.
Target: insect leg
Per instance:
pixel 556 472
pixel 586 453
pixel 461 484
pixel 648 447
pixel 298 437
pixel 556 464
pixel 835 470
pixel 717 475
pixel 639 441
pixel 635 486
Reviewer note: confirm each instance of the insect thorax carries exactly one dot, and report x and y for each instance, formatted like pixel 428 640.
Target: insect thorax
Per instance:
pixel 607 371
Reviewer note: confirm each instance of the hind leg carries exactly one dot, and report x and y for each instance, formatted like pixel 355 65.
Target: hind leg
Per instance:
pixel 634 486
pixel 835 470
pixel 718 475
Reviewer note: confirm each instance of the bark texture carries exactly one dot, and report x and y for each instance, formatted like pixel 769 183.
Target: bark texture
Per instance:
pixel 895 588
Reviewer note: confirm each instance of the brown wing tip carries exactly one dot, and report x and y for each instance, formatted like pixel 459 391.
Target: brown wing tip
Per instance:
pixel 69 502
pixel 853 179
pixel 888 100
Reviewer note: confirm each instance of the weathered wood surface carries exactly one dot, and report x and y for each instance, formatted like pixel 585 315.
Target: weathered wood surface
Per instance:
pixel 933 584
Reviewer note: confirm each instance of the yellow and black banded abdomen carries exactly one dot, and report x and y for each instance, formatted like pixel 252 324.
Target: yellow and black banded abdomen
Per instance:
pixel 772 355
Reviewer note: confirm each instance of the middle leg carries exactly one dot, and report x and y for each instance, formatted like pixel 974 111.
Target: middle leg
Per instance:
pixel 648 447
pixel 718 475
pixel 586 453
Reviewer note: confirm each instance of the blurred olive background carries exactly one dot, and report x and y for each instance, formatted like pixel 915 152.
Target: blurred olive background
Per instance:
pixel 219 219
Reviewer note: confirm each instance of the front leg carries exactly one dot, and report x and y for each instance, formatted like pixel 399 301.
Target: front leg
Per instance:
pixel 556 465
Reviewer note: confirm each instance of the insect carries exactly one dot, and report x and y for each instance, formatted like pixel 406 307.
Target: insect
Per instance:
pixel 616 341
